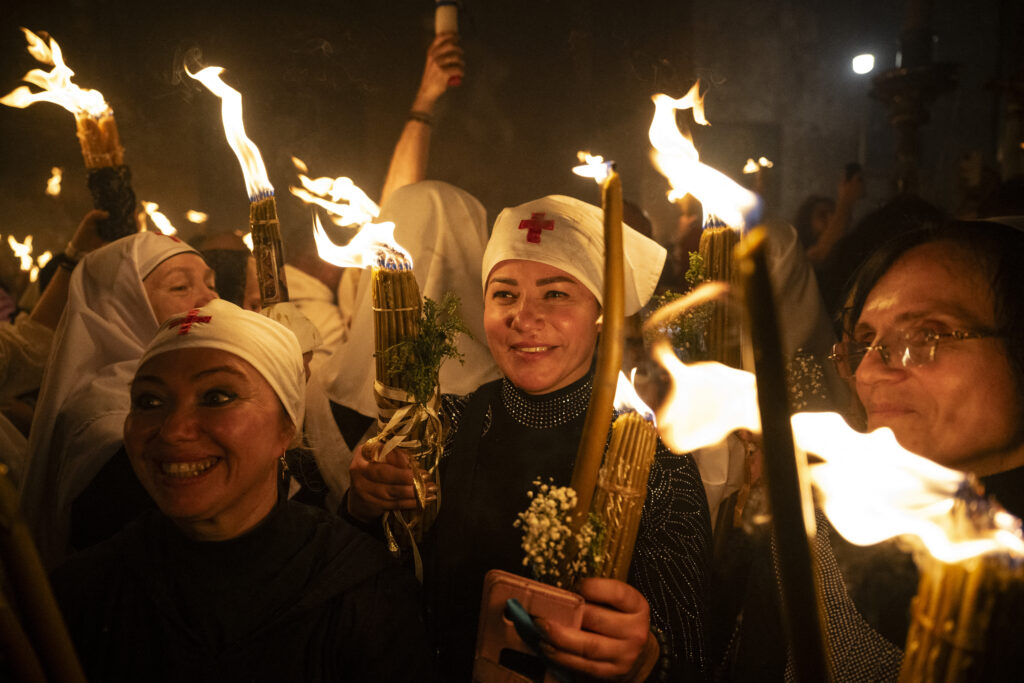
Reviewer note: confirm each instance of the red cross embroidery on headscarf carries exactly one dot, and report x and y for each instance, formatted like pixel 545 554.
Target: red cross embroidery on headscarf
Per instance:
pixel 535 225
pixel 185 324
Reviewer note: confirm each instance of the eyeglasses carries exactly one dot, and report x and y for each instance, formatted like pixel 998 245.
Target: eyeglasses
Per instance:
pixel 910 348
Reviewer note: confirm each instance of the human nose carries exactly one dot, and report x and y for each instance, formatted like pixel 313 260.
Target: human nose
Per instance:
pixel 205 295
pixel 527 315
pixel 179 424
pixel 876 365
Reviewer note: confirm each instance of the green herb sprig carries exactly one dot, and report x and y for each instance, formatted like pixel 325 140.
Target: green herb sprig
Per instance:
pixel 419 359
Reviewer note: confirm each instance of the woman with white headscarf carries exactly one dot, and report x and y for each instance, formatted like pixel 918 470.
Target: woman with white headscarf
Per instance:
pixel 118 296
pixel 228 580
pixel 542 278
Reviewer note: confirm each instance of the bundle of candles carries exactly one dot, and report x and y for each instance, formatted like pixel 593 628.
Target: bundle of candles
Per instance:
pixel 964 618
pixel 622 480
pixel 267 245
pixel 109 177
pixel 402 419
pixel 717 243
pixel 728 208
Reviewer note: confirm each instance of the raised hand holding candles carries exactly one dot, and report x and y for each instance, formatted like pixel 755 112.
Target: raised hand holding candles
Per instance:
pixel 109 178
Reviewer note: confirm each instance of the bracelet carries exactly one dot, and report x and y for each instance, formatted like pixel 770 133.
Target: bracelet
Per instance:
pixel 65 262
pixel 421 116
pixel 72 254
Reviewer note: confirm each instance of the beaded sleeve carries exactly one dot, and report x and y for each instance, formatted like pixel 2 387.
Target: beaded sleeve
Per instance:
pixel 672 558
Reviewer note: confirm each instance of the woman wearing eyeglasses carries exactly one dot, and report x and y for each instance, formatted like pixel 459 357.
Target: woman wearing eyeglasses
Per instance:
pixel 936 349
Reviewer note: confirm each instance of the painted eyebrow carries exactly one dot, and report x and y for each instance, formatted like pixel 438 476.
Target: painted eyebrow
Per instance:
pixel 552 280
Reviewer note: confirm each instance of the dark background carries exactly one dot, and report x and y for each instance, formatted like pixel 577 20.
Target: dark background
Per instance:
pixel 331 82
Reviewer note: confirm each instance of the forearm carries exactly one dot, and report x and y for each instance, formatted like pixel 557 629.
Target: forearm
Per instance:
pixel 409 160
pixel 50 306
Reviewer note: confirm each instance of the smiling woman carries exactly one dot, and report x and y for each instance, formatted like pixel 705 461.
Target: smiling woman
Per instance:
pixel 935 348
pixel 542 276
pixel 117 297
pixel 214 405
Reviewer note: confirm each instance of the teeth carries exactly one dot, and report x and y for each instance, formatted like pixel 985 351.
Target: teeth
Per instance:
pixel 533 349
pixel 184 470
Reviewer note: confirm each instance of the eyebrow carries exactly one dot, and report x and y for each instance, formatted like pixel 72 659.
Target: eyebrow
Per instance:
pixel 540 283
pixel 958 313
pixel 199 375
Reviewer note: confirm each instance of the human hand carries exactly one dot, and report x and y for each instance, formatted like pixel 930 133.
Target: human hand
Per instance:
pixel 610 642
pixel 377 487
pixel 444 68
pixel 87 236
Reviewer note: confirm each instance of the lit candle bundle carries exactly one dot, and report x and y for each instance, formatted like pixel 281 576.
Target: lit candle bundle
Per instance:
pixel 622 481
pixel 716 248
pixel 407 413
pixel 727 208
pixel 965 617
pixel 109 178
pixel 267 245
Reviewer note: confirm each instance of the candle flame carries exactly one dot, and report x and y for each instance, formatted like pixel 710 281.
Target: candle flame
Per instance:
pixel 44 258
pixel 763 162
pixel 247 239
pixel 346 204
pixel 373 245
pixel 257 183
pixel 162 223
pixel 873 488
pixel 593 167
pixel 750 167
pixel 53 184
pixel 194 216
pixel 22 250
pixel 675 156
pixel 56 84
pixel 627 400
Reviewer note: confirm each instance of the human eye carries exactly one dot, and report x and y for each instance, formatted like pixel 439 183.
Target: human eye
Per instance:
pixel 556 294
pixel 503 294
pixel 217 397
pixel 146 400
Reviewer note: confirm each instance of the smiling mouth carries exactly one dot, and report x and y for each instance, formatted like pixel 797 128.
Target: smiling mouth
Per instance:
pixel 187 470
pixel 532 349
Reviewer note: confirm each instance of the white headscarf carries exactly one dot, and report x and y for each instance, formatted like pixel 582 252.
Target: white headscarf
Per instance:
pixel 569 234
pixel 265 344
pixel 83 401
pixel 445 230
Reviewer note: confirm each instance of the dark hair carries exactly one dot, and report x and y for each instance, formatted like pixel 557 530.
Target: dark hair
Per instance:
pixel 802 222
pixel 997 247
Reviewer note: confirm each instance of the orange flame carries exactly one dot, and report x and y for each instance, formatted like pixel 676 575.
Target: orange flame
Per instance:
pixel 593 167
pixel 373 245
pixel 329 193
pixel 56 84
pixel 677 159
pixel 628 400
pixel 53 183
pixel 162 222
pixel 194 216
pixel 22 250
pixel 257 183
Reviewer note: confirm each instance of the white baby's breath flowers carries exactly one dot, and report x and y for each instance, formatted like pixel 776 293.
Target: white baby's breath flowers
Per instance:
pixel 546 534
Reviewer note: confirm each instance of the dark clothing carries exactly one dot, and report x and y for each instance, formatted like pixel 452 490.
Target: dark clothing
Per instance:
pixel 302 597
pixel 501 441
pixel 1008 489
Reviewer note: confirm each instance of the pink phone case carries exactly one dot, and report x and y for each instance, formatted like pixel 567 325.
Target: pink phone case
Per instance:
pixel 498 644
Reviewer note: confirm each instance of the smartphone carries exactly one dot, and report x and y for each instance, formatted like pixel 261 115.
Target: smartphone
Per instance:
pixel 502 653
